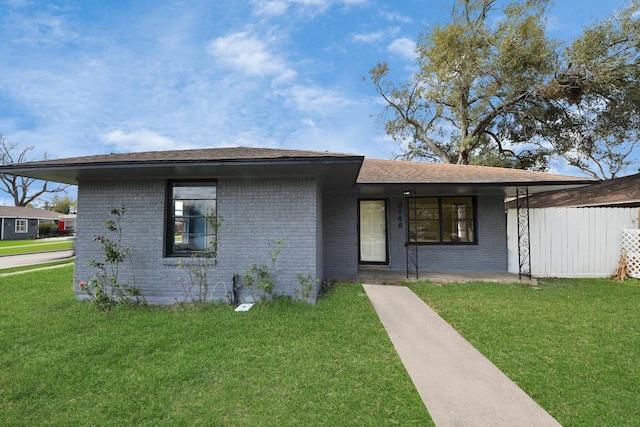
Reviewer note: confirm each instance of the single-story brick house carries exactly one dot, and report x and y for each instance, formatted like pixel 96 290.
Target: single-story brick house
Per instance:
pixel 338 214
pixel 19 223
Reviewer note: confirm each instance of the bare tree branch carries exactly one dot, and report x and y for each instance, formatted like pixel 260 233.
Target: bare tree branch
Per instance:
pixel 23 190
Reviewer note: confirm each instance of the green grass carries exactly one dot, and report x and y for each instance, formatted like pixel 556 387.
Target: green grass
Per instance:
pixel 64 363
pixel 572 345
pixel 12 247
pixel 36 266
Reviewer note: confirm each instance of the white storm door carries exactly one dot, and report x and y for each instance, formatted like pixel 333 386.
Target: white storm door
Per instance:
pixel 373 231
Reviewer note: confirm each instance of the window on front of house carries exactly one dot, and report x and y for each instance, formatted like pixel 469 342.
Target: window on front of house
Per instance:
pixel 22 225
pixel 442 220
pixel 192 217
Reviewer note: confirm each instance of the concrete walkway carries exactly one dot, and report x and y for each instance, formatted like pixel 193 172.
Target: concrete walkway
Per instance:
pixel 459 386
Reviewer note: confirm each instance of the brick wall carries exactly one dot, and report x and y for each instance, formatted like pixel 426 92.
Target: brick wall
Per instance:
pixel 255 214
pixel 341 239
pixel 340 231
pixel 490 254
pixel 258 212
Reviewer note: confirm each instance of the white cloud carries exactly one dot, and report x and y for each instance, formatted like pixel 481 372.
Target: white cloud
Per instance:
pixel 317 100
pixel 376 36
pixel 396 17
pixel 271 8
pixel 370 37
pixel 43 29
pixel 250 55
pixel 403 47
pixel 139 140
pixel 311 7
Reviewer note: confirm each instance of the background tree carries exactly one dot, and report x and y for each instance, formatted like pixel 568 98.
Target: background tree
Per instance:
pixel 23 190
pixel 62 205
pixel 500 93
pixel 601 84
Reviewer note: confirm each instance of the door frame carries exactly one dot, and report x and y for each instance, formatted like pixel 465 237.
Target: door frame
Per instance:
pixel 386 232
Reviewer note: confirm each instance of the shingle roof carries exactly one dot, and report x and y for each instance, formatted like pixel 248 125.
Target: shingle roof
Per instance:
pixel 20 212
pixel 623 191
pixel 336 170
pixel 197 155
pixel 375 171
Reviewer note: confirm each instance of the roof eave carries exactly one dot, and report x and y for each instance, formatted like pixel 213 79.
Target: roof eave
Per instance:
pixel 506 188
pixel 73 173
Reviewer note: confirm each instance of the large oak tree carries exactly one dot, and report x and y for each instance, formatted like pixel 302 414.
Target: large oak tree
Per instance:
pixel 491 88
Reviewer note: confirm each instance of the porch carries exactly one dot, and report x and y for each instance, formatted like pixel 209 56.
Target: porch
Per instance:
pixel 384 275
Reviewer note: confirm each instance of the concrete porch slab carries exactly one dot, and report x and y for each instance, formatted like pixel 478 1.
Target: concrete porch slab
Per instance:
pixel 382 276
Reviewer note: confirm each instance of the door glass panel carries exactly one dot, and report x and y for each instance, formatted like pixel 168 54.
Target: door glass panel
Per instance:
pixel 373 231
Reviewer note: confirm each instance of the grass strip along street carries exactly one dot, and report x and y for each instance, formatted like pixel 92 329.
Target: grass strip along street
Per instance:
pixel 13 247
pixel 28 268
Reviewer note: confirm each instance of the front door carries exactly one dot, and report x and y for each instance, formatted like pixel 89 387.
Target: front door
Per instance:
pixel 373 231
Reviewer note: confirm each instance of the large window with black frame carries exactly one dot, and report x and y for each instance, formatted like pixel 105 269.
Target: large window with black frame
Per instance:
pixel 446 220
pixel 192 217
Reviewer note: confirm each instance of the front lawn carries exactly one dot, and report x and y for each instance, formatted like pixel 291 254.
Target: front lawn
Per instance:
pixel 572 345
pixel 12 247
pixel 62 362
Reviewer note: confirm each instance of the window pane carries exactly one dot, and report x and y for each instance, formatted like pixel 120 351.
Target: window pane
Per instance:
pixel 192 226
pixel 21 226
pixel 196 191
pixel 441 220
pixel 457 222
pixel 424 208
pixel 424 214
pixel 425 231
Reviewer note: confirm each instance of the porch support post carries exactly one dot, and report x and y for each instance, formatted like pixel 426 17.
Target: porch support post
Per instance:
pixel 409 251
pixel 406 245
pixel 524 233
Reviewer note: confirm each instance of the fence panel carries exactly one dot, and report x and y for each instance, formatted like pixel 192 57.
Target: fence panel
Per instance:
pixel 572 242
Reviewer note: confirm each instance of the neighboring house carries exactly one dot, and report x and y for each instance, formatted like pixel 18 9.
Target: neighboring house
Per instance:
pixel 338 214
pixel 18 223
pixel 67 224
pixel 578 232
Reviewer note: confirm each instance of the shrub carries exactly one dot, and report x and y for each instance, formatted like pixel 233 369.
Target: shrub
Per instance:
pixel 47 229
pixel 105 289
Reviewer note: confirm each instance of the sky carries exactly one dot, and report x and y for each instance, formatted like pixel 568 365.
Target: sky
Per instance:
pixel 87 77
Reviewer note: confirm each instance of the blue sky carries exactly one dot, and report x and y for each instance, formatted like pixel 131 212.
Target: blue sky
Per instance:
pixel 92 76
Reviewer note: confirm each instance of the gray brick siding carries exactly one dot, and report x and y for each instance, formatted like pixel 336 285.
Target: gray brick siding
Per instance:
pixel 490 254
pixel 341 239
pixel 319 230
pixel 255 214
pixel 340 231
pixel 319 238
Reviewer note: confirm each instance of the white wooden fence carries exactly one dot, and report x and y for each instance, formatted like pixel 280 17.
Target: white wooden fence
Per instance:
pixel 572 242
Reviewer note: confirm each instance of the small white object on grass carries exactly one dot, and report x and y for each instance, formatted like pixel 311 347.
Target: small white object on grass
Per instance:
pixel 244 307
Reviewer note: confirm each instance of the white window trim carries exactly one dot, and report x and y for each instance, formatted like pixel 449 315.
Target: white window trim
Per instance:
pixel 18 230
